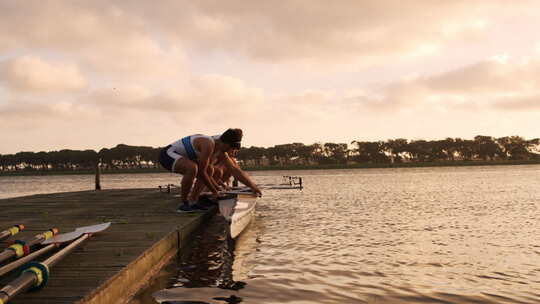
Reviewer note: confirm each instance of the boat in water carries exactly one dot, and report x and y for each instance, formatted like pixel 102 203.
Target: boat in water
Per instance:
pixel 238 210
pixel 238 207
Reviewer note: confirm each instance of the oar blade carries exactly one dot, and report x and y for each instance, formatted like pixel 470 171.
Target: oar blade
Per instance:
pixel 63 238
pixel 93 228
pixel 68 237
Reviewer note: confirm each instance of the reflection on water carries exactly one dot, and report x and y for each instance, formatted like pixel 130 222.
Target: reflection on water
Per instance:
pixel 210 259
pixel 207 265
pixel 440 235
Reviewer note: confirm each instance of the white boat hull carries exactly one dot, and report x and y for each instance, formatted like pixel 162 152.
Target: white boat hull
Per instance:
pixel 238 211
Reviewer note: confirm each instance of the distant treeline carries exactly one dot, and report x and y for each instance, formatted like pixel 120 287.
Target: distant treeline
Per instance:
pixel 484 148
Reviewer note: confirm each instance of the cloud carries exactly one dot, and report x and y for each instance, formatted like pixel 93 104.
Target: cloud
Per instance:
pixel 33 74
pixel 523 103
pixel 101 36
pixel 490 84
pixel 209 94
pixel 210 98
pixel 133 114
pixel 122 35
pixel 134 69
pixel 313 31
pixel 22 111
pixel 488 76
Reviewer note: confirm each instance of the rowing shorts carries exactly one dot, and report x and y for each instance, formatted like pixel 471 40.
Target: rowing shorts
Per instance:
pixel 168 158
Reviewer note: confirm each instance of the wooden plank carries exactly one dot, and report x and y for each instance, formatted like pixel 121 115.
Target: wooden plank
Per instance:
pixel 141 218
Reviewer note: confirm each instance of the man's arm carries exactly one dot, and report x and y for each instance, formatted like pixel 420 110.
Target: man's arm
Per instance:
pixel 210 172
pixel 223 185
pixel 206 149
pixel 240 175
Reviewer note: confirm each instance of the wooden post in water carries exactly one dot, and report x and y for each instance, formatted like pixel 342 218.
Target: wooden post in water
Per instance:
pixel 98 175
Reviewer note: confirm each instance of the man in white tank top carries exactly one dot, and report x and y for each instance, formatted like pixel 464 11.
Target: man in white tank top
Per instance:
pixel 193 156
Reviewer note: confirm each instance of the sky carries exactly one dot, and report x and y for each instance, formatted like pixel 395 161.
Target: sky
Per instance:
pixel 94 74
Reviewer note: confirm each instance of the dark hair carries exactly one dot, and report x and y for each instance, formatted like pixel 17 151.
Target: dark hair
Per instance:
pixel 233 137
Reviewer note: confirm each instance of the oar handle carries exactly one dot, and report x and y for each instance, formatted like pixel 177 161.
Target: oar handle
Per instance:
pixel 3 297
pixel 57 257
pixel 18 263
pixel 17 286
pixel 36 274
pixel 5 255
pixel 43 236
pixel 11 231
pixel 22 248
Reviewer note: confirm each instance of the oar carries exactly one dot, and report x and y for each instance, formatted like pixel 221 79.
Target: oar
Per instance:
pixel 21 248
pixel 36 274
pixel 247 190
pixel 53 243
pixel 11 232
pixel 238 192
pixel 282 187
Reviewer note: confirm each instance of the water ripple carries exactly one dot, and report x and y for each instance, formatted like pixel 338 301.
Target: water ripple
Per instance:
pixel 426 235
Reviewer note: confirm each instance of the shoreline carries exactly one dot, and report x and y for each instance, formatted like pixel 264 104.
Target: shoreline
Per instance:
pixel 467 163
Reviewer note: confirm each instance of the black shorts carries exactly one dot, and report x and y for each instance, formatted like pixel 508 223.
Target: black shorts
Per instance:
pixel 166 160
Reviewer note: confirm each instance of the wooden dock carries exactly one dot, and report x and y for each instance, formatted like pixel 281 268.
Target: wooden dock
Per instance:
pixel 113 265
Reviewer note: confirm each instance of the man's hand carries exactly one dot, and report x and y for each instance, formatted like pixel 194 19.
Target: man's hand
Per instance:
pixel 257 191
pixel 215 196
pixel 223 186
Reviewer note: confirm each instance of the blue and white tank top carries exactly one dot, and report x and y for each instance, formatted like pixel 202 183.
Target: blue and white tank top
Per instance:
pixel 186 147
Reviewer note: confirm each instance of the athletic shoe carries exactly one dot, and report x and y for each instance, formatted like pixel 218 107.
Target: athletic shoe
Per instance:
pixel 186 208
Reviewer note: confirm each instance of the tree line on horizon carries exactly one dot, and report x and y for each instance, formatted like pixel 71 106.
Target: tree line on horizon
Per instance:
pixel 400 150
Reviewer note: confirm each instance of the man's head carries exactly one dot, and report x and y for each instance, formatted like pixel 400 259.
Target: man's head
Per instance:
pixel 232 137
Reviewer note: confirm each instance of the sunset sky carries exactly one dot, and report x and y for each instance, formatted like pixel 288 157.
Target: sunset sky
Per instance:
pixel 93 74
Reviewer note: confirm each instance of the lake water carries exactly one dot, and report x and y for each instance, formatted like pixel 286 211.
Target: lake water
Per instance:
pixel 414 235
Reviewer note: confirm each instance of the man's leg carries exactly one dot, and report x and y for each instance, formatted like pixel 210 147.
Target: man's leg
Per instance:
pixel 188 169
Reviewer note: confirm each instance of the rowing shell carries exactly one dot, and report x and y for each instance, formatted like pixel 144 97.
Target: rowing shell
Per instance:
pixel 238 210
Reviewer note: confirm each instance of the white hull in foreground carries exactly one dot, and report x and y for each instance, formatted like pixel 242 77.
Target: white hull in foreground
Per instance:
pixel 238 211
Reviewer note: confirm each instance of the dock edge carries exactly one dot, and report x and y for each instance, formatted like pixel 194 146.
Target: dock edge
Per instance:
pixel 137 274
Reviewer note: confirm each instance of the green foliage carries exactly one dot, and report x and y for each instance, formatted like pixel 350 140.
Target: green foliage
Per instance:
pixel 393 151
pixel 119 157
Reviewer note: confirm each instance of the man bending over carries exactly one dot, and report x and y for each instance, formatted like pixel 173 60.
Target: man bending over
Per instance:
pixel 193 156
